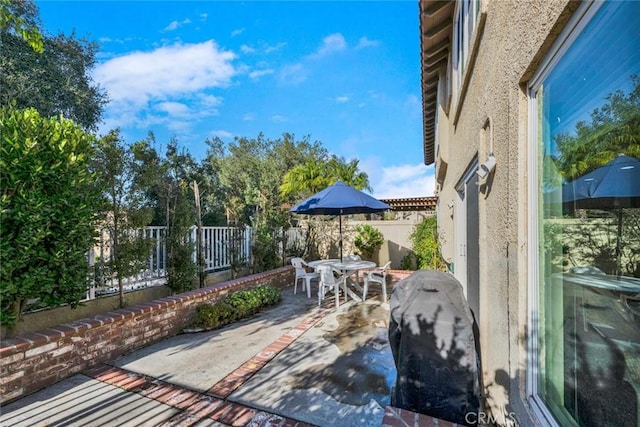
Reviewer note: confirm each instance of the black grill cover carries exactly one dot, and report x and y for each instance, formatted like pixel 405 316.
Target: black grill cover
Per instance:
pixel 431 333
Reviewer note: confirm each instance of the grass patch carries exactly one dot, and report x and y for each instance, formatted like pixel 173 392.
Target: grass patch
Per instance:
pixel 234 307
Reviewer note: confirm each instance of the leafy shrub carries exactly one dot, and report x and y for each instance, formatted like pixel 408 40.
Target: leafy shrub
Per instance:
pixel 424 239
pixel 368 240
pixel 408 262
pixel 213 316
pixel 235 307
pixel 47 210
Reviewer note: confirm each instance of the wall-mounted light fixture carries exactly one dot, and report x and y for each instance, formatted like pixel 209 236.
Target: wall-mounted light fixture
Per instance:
pixel 450 205
pixel 487 167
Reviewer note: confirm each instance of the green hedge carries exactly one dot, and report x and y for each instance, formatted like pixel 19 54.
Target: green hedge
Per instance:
pixel 236 306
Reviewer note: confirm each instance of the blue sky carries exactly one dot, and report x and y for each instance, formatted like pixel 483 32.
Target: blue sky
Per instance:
pixel 344 73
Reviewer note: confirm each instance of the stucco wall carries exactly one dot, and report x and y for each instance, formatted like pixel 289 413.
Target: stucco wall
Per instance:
pixel 396 234
pixel 397 242
pixel 493 117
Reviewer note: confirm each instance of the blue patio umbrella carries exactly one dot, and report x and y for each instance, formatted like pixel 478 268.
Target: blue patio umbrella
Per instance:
pixel 615 185
pixel 339 199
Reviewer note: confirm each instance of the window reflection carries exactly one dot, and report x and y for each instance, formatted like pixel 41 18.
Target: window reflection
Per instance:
pixel 590 197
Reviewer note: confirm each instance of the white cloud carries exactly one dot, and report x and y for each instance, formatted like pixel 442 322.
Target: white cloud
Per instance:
pixel 365 42
pixel 173 108
pixel 259 73
pixel 342 99
pixel 249 117
pixel 278 118
pixel 222 134
pixel 174 25
pixel 399 181
pixel 332 43
pixel 144 87
pixel 293 74
pixel 209 100
pixel 275 47
pixel 247 49
pixel 204 16
pixel 263 48
pixel 237 32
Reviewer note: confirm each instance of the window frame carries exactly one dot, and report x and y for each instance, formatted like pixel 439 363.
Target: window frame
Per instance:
pixel 574 28
pixel 469 17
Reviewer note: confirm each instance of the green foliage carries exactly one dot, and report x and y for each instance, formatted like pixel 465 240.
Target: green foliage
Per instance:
pixel 592 241
pixel 124 209
pixel 56 81
pixel 408 262
pixel 249 173
pixel 368 240
pixel 265 248
pixel 47 210
pixel 614 129
pixel 318 173
pixel 181 269
pixel 164 182
pixel 554 250
pixel 424 239
pixel 18 18
pixel 235 307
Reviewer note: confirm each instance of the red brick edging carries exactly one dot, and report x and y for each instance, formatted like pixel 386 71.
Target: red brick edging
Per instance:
pixel 36 360
pixel 234 380
pixel 196 406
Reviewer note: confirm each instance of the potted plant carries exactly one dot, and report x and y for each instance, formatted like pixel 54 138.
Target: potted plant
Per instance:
pixel 368 240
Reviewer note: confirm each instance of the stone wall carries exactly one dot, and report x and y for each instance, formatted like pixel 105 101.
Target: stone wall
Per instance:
pixel 36 360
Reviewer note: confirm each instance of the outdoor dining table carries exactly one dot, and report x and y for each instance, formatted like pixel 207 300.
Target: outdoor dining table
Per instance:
pixel 348 268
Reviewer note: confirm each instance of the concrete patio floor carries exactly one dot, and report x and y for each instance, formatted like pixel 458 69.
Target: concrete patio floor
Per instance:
pixel 294 364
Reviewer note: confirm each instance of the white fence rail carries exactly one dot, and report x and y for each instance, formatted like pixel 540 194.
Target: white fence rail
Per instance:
pixel 221 248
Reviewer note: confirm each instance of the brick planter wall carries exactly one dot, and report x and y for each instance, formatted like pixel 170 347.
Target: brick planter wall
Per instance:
pixel 36 360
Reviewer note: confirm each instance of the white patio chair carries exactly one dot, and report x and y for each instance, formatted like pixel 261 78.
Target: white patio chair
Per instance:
pixel 377 275
pixel 331 279
pixel 302 273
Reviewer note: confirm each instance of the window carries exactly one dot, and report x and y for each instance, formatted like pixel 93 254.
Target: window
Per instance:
pixel 464 25
pixel 585 241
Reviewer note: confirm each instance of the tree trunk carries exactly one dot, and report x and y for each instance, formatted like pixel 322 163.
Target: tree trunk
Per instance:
pixel 199 251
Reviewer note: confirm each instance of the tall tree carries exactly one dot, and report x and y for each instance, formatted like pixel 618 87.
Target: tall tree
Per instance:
pixel 167 182
pixel 348 173
pixel 56 81
pixel 249 172
pixel 125 209
pixel 317 174
pixel 181 212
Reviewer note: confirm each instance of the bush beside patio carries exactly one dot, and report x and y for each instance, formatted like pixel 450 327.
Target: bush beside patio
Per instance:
pixel 234 307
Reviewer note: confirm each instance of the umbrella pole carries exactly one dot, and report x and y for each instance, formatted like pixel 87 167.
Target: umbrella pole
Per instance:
pixel 618 246
pixel 340 219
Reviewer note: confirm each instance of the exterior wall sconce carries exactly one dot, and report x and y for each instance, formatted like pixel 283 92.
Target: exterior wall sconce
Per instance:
pixel 487 167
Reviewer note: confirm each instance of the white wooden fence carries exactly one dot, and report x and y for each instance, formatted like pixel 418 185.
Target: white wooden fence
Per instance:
pixel 221 247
